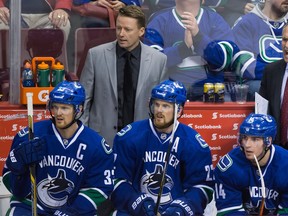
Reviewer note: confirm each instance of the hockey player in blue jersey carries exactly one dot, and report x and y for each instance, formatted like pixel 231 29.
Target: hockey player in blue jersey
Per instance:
pixel 73 163
pixel 238 188
pixel 197 41
pixel 258 35
pixel 140 151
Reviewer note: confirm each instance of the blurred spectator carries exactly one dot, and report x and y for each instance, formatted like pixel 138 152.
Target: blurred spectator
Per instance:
pixel 39 14
pixel 231 10
pixel 82 20
pixel 155 5
pixel 258 36
pixel 195 40
pixel 4 85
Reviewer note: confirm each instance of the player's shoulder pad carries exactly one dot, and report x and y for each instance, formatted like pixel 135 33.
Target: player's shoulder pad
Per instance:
pixel 106 147
pixel 39 128
pixel 225 163
pixel 124 130
pixel 23 132
pixel 201 141
pixel 133 129
pixel 193 134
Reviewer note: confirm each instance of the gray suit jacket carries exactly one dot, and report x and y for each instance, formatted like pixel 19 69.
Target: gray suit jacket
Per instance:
pixel 270 89
pixel 99 78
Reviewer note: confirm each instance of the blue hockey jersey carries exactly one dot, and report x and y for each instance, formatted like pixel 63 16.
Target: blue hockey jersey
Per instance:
pixel 76 172
pixel 140 154
pixel 238 188
pixel 259 40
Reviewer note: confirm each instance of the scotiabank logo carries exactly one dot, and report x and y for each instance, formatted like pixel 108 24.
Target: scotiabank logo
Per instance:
pixel 214 115
pixel 214 136
pixel 235 126
pixel 43 95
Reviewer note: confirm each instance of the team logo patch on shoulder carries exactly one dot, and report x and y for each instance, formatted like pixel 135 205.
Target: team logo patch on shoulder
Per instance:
pixel 224 163
pixel 201 141
pixel 23 132
pixel 124 130
pixel 106 147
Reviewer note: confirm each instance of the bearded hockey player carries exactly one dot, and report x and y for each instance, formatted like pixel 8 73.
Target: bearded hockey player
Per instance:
pixel 141 150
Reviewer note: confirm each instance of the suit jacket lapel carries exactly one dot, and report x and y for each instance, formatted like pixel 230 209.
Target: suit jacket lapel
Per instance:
pixel 110 57
pixel 145 69
pixel 282 68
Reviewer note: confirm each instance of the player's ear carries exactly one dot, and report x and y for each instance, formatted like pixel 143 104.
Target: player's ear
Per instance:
pixel 179 111
pixel 269 141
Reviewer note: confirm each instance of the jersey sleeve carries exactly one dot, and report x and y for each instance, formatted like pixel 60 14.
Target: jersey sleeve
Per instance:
pixel 283 200
pixel 19 186
pixel 256 49
pixel 219 55
pixel 98 184
pixel 245 61
pixel 126 166
pixel 198 173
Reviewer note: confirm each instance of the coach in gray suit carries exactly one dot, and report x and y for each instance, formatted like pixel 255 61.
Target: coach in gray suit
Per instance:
pixel 103 76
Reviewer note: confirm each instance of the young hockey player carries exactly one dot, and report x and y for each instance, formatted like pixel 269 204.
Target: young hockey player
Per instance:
pixel 238 188
pixel 144 148
pixel 73 163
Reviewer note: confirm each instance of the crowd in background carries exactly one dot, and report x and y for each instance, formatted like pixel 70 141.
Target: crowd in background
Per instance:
pixel 231 42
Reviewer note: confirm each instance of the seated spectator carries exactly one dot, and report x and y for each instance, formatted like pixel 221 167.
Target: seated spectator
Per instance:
pixel 39 14
pixel 80 20
pixel 258 36
pixel 195 40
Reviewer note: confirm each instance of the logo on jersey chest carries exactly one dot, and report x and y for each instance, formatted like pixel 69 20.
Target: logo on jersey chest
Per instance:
pixel 270 49
pixel 53 191
pixel 150 184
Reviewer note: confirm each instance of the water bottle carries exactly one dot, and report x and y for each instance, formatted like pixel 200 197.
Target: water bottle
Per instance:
pixel 57 73
pixel 27 76
pixel 43 73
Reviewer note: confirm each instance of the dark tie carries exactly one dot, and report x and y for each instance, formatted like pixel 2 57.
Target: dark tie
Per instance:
pixel 284 116
pixel 128 104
